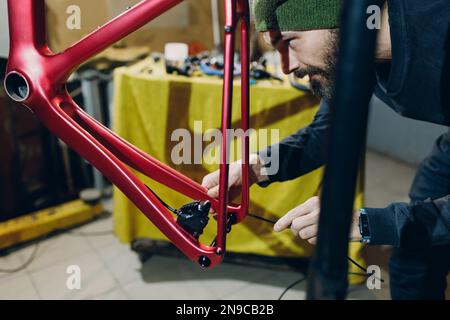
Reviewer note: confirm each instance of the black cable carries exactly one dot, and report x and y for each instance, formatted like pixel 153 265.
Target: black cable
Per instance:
pixel 33 254
pixel 291 286
pixel 261 218
pixel 26 264
pixel 268 221
pixel 367 274
pixel 349 259
pixel 358 274
pixel 75 233
pixel 163 202
pixel 357 264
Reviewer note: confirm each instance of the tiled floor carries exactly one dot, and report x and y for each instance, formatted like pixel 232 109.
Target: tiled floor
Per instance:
pixel 110 270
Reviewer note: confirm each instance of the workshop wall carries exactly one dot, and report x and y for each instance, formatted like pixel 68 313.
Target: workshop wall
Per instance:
pixel 405 139
pixel 192 15
pixel 4 33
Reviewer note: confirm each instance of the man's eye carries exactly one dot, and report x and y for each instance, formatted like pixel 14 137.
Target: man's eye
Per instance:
pixel 290 42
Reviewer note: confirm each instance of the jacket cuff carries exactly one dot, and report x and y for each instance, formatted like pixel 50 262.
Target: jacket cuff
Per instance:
pixel 382 226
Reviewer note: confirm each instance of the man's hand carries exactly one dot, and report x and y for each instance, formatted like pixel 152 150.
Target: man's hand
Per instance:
pixel 304 221
pixel 256 174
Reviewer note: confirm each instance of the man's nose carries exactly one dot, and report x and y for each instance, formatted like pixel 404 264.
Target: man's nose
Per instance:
pixel 289 62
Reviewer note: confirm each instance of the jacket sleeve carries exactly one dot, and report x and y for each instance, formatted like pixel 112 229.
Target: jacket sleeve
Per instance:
pixel 423 222
pixel 300 153
pixel 420 225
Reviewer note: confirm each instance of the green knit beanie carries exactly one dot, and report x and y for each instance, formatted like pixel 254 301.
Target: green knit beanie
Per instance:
pixel 296 15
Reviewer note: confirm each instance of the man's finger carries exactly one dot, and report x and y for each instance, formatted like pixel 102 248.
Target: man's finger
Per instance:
pixel 305 221
pixel 214 192
pixel 209 180
pixel 308 232
pixel 286 220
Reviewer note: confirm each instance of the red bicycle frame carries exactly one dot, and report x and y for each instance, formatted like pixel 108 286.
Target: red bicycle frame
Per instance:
pixel 36 77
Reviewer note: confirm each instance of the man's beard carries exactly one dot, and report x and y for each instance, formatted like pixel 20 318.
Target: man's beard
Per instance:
pixel 324 88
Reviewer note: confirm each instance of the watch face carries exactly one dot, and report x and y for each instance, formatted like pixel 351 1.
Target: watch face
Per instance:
pixel 364 227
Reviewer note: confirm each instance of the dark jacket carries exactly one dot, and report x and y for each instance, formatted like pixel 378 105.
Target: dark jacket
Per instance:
pixel 416 85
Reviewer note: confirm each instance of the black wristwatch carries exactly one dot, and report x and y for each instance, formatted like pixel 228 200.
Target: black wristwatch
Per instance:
pixel 364 226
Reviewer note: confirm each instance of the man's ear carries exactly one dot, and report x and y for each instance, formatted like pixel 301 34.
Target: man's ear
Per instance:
pixel 266 37
pixel 264 41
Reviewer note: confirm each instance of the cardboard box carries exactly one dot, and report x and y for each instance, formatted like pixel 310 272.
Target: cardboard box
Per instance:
pixel 189 21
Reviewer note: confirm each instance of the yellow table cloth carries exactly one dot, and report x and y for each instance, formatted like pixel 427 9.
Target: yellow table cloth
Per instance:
pixel 148 107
